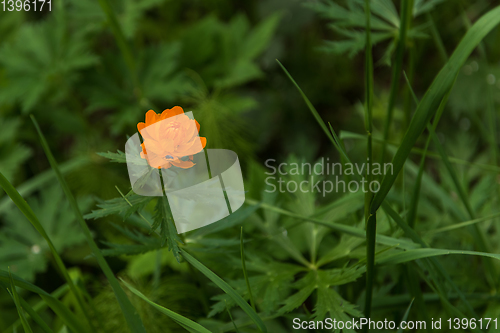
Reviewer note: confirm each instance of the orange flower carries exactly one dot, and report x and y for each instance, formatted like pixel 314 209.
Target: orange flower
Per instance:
pixel 170 136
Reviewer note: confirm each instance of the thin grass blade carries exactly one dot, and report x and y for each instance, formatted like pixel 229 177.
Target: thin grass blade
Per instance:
pixel 131 315
pixel 17 302
pixel 61 310
pixel 185 322
pixel 407 313
pixel 30 215
pixel 434 95
pixel 227 289
pixel 243 265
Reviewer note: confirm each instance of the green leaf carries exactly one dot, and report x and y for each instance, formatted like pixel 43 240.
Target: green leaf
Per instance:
pixel 405 316
pixel 41 63
pixel 120 206
pixel 32 218
pixel 164 220
pixel 118 157
pixel 61 310
pixel 227 289
pixel 42 179
pixel 23 247
pixel 260 36
pixel 245 274
pixel 132 317
pixel 433 97
pixel 234 219
pixel 20 312
pixel 423 6
pixel 415 254
pixel 145 244
pixel 181 320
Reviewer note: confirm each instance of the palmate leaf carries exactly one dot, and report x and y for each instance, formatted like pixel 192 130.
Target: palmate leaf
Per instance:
pixel 89 14
pixel 227 289
pixel 12 154
pixel 270 287
pixel 328 300
pixel 350 22
pixel 161 81
pixel 42 63
pixel 23 248
pixel 423 6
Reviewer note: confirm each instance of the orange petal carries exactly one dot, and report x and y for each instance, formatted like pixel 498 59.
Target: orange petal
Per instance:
pixel 203 141
pixel 150 117
pixel 167 113
pixel 183 164
pixel 197 125
pixel 140 126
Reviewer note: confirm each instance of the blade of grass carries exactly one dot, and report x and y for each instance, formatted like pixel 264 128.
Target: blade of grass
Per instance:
pixel 61 310
pixel 418 181
pixel 40 306
pixel 242 250
pixel 415 254
pixel 30 314
pixel 120 39
pixel 227 289
pixel 437 38
pixel 463 224
pixel 32 218
pixel 357 232
pixel 478 235
pixel 396 70
pixel 17 302
pixel 185 322
pixel 370 217
pixel 314 112
pixel 231 317
pixel 131 315
pixel 416 291
pixel 433 97
pixel 409 232
pixel 418 151
pixel 405 317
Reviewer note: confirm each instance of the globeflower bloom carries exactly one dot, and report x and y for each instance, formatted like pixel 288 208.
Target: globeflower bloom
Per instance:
pixel 170 139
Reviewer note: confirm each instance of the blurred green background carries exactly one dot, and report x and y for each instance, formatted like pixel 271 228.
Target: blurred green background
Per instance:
pixel 88 87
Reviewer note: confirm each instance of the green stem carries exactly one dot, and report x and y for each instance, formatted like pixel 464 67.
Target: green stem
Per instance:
pixel 370 219
pixel 396 70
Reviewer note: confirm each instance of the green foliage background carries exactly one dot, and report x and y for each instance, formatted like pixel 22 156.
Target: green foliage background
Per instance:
pixel 89 76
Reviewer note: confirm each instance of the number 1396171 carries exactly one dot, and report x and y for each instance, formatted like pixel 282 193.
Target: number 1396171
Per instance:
pixel 25 5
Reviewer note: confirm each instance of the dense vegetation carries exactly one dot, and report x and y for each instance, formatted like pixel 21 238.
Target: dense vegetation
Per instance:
pixel 416 83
